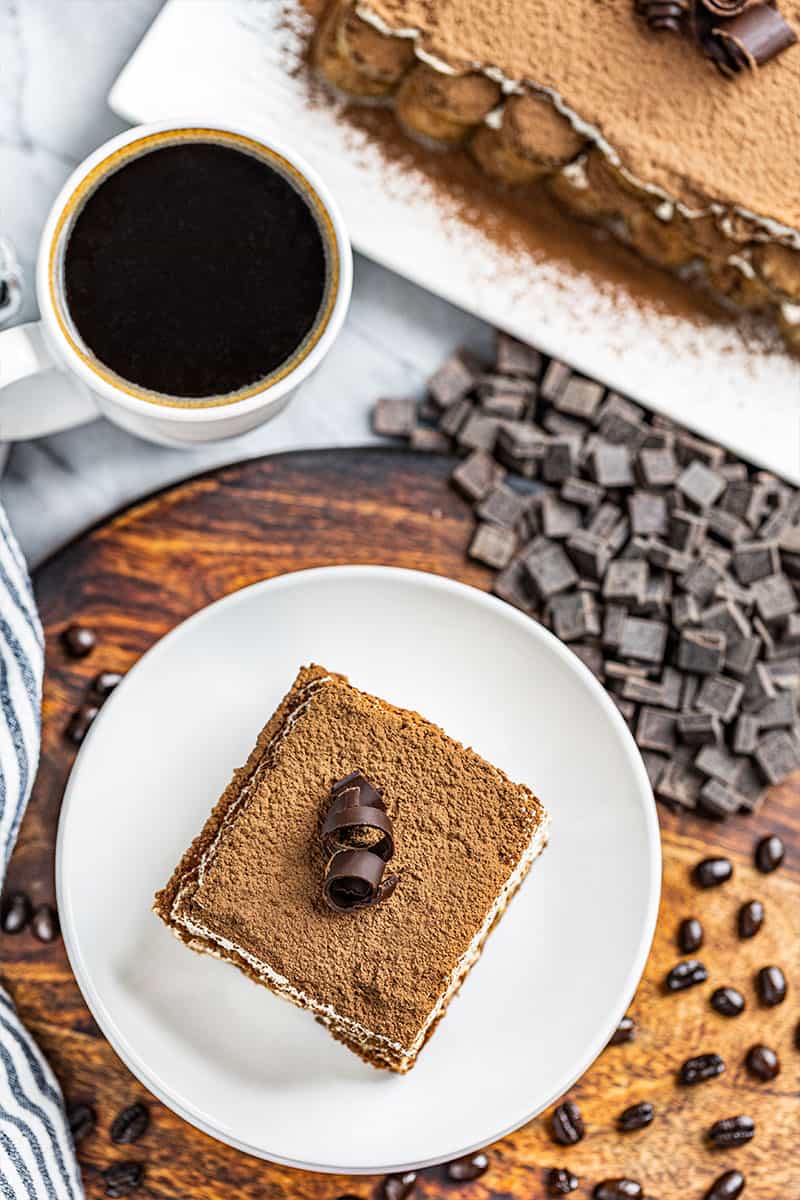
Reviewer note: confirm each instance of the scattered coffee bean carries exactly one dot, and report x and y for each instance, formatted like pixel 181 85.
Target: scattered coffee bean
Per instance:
pixel 44 923
pixel 762 1063
pixel 467 1169
pixel 797 1036
pixel 560 1182
pixel 78 641
pixel 399 1187
pixel 690 935
pixel 771 986
pixel 82 1119
pixel 15 913
pixel 750 919
pixel 123 1178
pixel 727 1001
pixel 732 1131
pixel 566 1124
pixel 711 872
pixel 770 851
pixel 635 1117
pixel 728 1187
pixel 130 1124
pixel 685 975
pixel 625 1032
pixel 700 1068
pixel 618 1189
pixel 104 683
pixel 81 722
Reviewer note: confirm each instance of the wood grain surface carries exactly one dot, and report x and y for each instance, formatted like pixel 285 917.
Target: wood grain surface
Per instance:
pixel 137 576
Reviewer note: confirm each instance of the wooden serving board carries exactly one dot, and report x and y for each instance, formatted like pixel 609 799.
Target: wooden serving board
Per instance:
pixel 148 568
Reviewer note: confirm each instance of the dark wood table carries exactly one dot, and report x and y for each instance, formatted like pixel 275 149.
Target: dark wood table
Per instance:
pixel 135 577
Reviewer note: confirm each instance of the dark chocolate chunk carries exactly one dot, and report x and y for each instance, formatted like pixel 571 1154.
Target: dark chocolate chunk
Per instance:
pixel 778 713
pixel 686 529
pixel 701 579
pixel 774 597
pixel 507 406
pixel 479 432
pixel 626 581
pixel 621 422
pixel 590 554
pixel 502 506
pixel 719 695
pixel 454 378
pixel 510 584
pixel 582 492
pixel 656 730
pixel 574 616
pixel 778 756
pixel 771 986
pixel 648 514
pixel 718 762
pixel 701 651
pixel 611 465
pixel 689 447
pixel 643 639
pixel 727 527
pixel 554 380
pixel 727 1001
pixel 741 655
pixel 454 417
pixel 749 919
pixel 566 1124
pixel 579 398
pixel 711 872
pixel 516 358
pixel 755 560
pixel 718 800
pixel 701 486
pixel 758 688
pixel 558 462
pixel 700 1069
pixel 658 467
pixel 549 570
pixel 727 617
pixel 468 1169
pixel 590 656
pixel 493 545
pixel 686 611
pixel 394 418
pixel 78 641
pixel 699 729
pixel 477 475
pixel 559 519
pixel 429 441
pixel 680 783
pixel 667 557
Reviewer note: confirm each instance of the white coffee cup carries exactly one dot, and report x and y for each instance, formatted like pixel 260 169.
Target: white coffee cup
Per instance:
pixel 50 380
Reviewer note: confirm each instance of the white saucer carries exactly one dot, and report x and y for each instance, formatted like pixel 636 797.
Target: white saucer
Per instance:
pixel 556 975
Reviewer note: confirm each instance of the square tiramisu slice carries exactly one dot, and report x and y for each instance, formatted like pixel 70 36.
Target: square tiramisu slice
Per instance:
pixel 293 876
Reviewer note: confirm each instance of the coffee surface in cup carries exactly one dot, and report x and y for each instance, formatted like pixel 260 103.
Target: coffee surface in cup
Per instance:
pixel 195 270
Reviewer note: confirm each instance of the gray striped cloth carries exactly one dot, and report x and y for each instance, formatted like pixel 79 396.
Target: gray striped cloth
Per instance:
pixel 37 1157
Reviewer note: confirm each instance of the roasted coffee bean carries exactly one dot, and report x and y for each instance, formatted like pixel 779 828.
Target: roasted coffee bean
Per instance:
pixel 130 1124
pixel 566 1124
pixel 732 1131
pixel 465 1170
pixel 44 923
pixel 690 935
pixel 104 683
pixel 797 1036
pixel 78 641
pixel 727 1001
pixel 15 913
pixel 123 1178
pixel 711 872
pixel 399 1187
pixel 685 975
pixel 560 1182
pixel 80 723
pixel 771 986
pixel 750 919
pixel 625 1032
pixel 700 1068
pixel 635 1117
pixel 762 1063
pixel 769 854
pixel 618 1189
pixel 82 1119
pixel 728 1187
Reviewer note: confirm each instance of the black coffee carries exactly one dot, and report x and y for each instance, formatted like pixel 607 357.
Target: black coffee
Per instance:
pixel 195 270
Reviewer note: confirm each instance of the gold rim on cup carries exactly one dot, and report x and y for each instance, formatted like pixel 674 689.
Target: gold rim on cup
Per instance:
pixel 170 137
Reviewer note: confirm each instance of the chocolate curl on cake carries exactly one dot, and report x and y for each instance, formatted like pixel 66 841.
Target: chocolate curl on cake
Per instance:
pixel 358 838
pixel 729 8
pixel 750 40
pixel 663 16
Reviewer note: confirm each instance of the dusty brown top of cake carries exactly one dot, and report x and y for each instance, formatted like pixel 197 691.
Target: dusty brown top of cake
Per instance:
pixel 460 826
pixel 672 118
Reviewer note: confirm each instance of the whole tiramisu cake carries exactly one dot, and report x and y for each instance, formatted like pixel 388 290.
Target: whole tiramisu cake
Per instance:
pixel 673 123
pixel 356 865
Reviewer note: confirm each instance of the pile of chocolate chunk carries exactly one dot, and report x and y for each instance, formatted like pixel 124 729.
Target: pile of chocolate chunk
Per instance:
pixel 671 568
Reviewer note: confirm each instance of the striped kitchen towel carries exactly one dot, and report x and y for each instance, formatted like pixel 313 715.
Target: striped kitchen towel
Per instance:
pixel 37 1157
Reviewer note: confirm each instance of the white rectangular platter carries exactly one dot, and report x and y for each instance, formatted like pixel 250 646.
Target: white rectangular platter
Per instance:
pixel 239 61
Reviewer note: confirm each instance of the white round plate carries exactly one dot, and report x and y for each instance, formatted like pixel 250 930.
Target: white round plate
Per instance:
pixel 558 972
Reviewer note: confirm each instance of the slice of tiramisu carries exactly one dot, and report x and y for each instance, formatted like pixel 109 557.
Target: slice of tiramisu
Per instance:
pixel 355 865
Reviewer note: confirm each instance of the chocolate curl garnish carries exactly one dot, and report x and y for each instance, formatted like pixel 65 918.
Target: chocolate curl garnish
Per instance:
pixel 354 879
pixel 750 40
pixel 357 818
pixel 663 16
pixel 729 8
